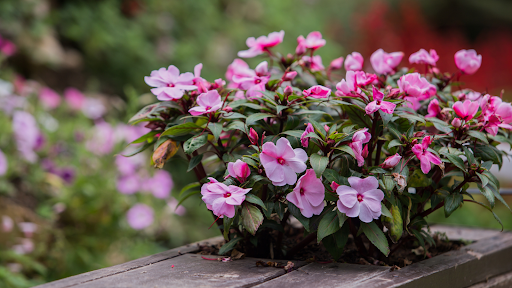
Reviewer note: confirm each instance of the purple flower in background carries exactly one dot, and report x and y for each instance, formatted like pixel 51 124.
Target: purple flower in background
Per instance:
pixel 161 184
pixel 74 98
pixel 3 163
pixel 140 216
pixel 93 108
pixel 102 140
pixel 128 184
pixel 26 133
pixel 178 210
pixel 49 98
pixel 129 165
pixel 67 174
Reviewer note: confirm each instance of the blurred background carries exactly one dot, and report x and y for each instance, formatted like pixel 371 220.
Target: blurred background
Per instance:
pixel 72 72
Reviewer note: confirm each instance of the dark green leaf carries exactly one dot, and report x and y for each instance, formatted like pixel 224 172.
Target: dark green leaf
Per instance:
pixel 488 153
pixel 138 150
pixel 376 236
pixel 143 113
pixel 394 143
pixel 181 129
pixel 418 179
pixel 227 225
pixel 194 162
pixel 255 200
pixel 251 218
pixel 294 133
pixel 483 179
pixel 394 223
pixel 469 155
pixel 237 125
pixel 319 163
pixel 216 129
pixel 478 135
pixel 195 143
pixel 456 160
pixel 451 203
pixel 149 136
pixel 229 246
pixel 256 117
pixel 295 212
pixel 487 192
pixel 328 225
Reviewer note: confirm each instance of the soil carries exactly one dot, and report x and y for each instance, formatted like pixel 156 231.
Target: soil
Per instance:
pixel 407 253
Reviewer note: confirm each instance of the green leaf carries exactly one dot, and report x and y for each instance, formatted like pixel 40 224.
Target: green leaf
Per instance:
pixel 294 133
pixel 488 153
pixel 188 195
pixel 216 129
pixel 451 203
pixel 269 207
pixel 149 136
pixel 229 246
pixel 347 149
pixel 234 115
pixel 456 160
pixel 138 150
pixel 418 179
pixel 335 243
pixel 483 178
pixel 237 125
pixel 251 218
pixel 385 211
pixel 319 163
pixel 498 195
pixel 487 192
pixel 249 197
pixel 181 129
pixel 227 225
pixel 194 162
pixel 328 225
pixel 440 125
pixel 318 128
pixel 341 217
pixel 189 187
pixel 394 143
pixel 298 215
pixel 478 135
pixel 143 113
pixel 469 155
pixel 280 108
pixel 195 143
pixel 394 223
pixel 376 236
pixel 256 117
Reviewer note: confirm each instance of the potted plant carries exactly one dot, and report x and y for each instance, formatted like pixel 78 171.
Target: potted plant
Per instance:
pixel 370 155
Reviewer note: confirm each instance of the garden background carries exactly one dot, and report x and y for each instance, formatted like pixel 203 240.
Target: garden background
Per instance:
pixel 70 204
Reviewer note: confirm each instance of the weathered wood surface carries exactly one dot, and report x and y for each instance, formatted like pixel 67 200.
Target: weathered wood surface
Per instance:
pixel 485 259
pixel 500 281
pixel 128 266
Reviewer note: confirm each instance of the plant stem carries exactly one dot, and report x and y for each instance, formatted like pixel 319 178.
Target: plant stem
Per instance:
pixel 357 239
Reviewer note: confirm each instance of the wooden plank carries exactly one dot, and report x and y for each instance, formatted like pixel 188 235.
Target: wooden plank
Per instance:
pixel 327 275
pixel 121 268
pixel 190 270
pixel 469 265
pixel 501 281
pixel 464 233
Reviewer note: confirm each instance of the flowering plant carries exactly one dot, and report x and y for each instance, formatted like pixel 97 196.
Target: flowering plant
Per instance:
pixel 372 154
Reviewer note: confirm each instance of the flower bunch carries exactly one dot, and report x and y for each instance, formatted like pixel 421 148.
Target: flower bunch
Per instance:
pixel 341 155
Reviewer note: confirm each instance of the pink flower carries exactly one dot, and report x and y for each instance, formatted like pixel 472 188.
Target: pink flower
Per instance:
pixel 140 216
pixel 239 170
pixel 317 91
pixel 354 62
pixel 222 199
pixel 289 76
pixel 169 83
pixel 26 134
pixel 240 69
pixel 74 98
pixel 7 47
pixel 469 95
pixel 178 210
pixel 360 137
pixel 202 84
pixel 384 63
pixel 416 86
pixel 456 122
pixel 314 64
pixel 261 45
pixel 334 186
pixel 49 98
pixel 468 61
pixel 426 157
pixel 466 110
pixel 433 109
pixel 336 64
pixel 362 199
pixel 3 163
pixel 160 185
pixel 308 195
pixel 391 161
pixel 7 223
pixel 379 103
pixel 128 184
pixel 303 139
pixel 312 41
pixel 93 108
pixel 102 141
pixel 423 57
pixel 282 162
pixel 28 228
pixel 253 136
pixel 353 80
pixel 208 102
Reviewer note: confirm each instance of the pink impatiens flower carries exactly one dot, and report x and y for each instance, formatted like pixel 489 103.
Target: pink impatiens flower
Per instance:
pixel 304 140
pixel 208 102
pixel 49 98
pixel 416 86
pixel 261 44
pixel 379 103
pixel 466 110
pixel 3 163
pixel 314 64
pixel 360 137
pixel 317 91
pixel 282 162
pixel 362 199
pixel 140 216
pixel 222 199
pixel 468 61
pixel 385 63
pixel 336 64
pixel 239 170
pixel 7 47
pixel 169 83
pixel 391 161
pixel 74 98
pixel 433 109
pixel 424 57
pixel 313 41
pixel 354 62
pixel 426 157
pixel 308 195
pixel 160 185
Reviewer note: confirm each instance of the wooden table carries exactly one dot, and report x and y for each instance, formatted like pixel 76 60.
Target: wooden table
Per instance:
pixel 484 263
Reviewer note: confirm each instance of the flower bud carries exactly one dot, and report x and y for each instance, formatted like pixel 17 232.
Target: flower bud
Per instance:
pixel 365 151
pixel 326 128
pixel 334 186
pixel 419 134
pixel 288 91
pixel 456 122
pixel 227 109
pixel 239 170
pixel 391 161
pixel 288 76
pixel 336 64
pixel 253 136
